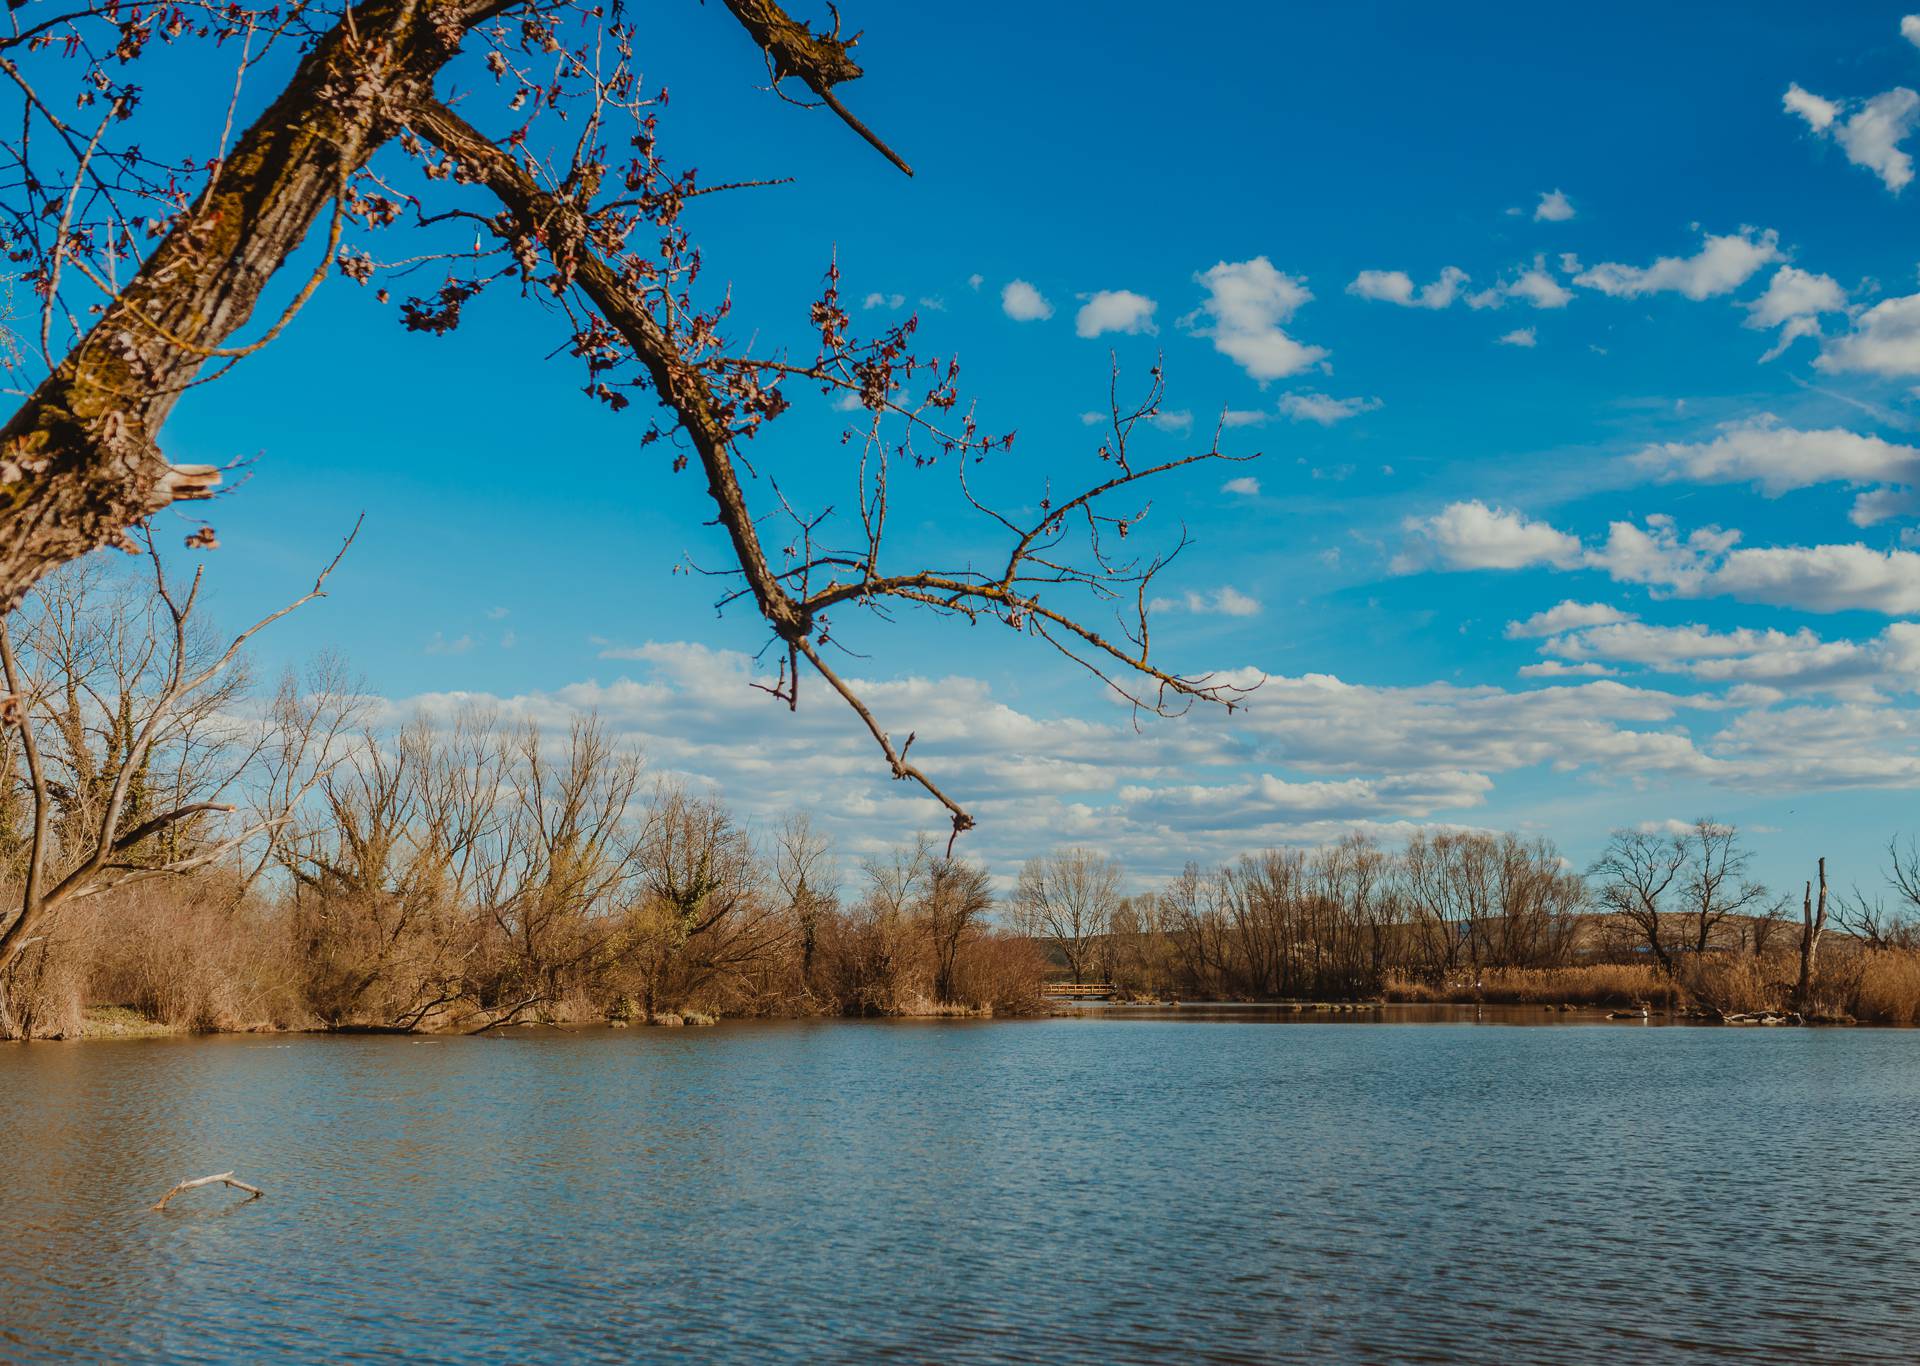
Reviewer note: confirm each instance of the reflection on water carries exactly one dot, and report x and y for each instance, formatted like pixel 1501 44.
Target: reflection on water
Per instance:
pixel 1086 1189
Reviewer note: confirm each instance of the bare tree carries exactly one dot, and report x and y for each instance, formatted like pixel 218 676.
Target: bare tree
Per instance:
pixel 1636 873
pixel 1068 899
pixel 578 208
pixel 1715 884
pixel 705 917
pixel 1872 921
pixel 97 818
pixel 803 867
pixel 958 897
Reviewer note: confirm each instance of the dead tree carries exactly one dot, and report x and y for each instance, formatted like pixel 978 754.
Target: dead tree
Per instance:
pixel 579 209
pixel 1813 924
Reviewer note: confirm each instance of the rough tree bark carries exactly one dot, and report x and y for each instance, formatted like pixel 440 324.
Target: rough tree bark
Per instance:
pixel 80 460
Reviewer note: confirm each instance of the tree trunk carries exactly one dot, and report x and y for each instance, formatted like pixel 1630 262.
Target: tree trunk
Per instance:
pixel 80 460
pixel 1813 921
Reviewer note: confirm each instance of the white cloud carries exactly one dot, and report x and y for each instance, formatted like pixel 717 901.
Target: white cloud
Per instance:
pixel 1793 302
pixel 975 280
pixel 1535 285
pixel 1246 486
pixel 1871 134
pixel 440 645
pixel 1554 207
pixel 1553 668
pixel 1224 601
pixel 1910 29
pixel 1874 506
pixel 1707 562
pixel 1758 661
pixel 1520 336
pixel 1323 408
pixel 1023 303
pixel 1780 459
pixel 1818 113
pixel 1472 535
pixel 1180 420
pixel 1796 293
pixel 1565 616
pixel 1243 417
pixel 1885 340
pixel 1722 264
pixel 1396 287
pixel 1309 759
pixel 1114 310
pixel 879 300
pixel 1538 287
pixel 1247 303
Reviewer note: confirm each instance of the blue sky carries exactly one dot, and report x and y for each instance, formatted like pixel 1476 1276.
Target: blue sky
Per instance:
pixel 1489 292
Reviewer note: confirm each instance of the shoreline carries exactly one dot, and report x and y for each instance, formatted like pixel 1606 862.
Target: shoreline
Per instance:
pixel 120 1024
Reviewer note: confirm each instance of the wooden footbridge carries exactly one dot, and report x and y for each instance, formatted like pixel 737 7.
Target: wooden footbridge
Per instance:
pixel 1079 991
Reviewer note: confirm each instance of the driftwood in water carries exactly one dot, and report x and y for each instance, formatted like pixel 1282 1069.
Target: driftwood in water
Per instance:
pixel 219 1178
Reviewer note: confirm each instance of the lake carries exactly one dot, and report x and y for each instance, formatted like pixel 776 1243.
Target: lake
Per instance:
pixel 1108 1188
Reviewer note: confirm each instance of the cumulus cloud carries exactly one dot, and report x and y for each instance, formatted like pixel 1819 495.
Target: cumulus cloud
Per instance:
pixel 1114 310
pixel 1309 758
pixel 1553 668
pixel 879 300
pixel 1538 287
pixel 1396 287
pixel 1758 663
pixel 1246 486
pixel 1323 408
pixel 1910 29
pixel 1795 293
pixel 1472 535
pixel 1554 207
pixel 1722 264
pixel 1246 306
pixel 1871 133
pixel 1224 601
pixel 1884 340
pixel 1707 562
pixel 1779 459
pixel 1818 113
pixel 1534 285
pixel 1793 302
pixel 1565 616
pixel 1179 420
pixel 1023 303
pixel 1520 336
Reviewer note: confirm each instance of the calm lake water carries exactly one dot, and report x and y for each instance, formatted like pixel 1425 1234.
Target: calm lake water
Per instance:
pixel 1087 1189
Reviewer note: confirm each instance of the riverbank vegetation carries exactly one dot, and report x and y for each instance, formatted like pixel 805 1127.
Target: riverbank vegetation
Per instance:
pixel 194 850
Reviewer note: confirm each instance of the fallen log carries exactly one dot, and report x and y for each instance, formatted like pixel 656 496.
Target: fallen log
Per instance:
pixel 219 1178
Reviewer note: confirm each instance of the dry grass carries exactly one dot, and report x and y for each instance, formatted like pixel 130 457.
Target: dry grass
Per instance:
pixel 1889 989
pixel 1740 985
pixel 1601 984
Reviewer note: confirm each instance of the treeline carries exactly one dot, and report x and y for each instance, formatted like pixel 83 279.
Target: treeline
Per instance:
pixel 477 874
pixel 211 854
pixel 176 840
pixel 1667 915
